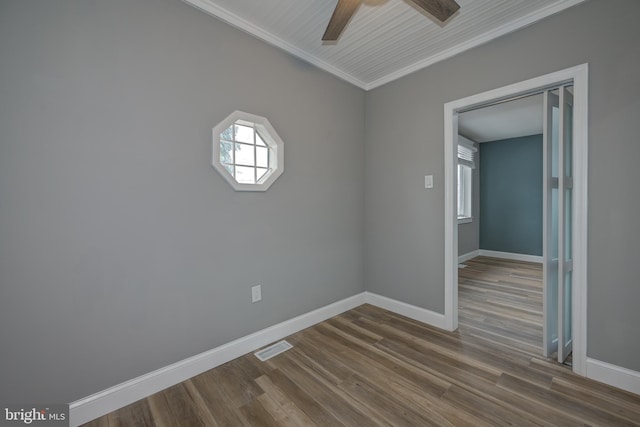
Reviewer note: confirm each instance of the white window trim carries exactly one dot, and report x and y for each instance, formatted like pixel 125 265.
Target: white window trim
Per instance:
pixel 468 196
pixel 270 137
pixel 470 164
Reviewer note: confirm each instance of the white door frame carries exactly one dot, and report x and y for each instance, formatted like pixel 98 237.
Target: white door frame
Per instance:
pixel 578 76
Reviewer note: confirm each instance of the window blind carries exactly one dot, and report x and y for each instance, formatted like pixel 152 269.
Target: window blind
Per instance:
pixel 466 153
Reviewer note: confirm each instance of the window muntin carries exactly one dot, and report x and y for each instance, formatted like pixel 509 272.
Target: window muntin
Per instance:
pixel 243 152
pixel 247 152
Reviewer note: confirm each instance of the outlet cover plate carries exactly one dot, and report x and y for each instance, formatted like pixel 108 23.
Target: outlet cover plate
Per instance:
pixel 256 293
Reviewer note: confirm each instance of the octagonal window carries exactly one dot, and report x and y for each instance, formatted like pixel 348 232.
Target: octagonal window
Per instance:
pixel 247 151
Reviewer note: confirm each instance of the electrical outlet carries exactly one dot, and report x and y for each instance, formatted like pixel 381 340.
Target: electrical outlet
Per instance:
pixel 256 293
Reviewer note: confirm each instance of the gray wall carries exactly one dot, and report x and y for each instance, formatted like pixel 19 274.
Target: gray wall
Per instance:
pixel 404 233
pixel 511 195
pixel 121 249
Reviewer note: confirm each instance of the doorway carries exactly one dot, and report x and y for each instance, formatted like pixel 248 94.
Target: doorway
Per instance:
pixel 500 248
pixel 576 76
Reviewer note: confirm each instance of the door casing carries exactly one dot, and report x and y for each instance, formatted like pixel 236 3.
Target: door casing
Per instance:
pixel 578 77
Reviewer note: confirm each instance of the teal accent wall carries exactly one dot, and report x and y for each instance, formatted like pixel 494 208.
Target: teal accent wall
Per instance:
pixel 511 195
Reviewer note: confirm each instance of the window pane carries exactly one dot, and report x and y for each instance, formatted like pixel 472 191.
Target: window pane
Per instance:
pixel 553 244
pixel 555 137
pixel 460 192
pixel 226 156
pixel 248 152
pixel 568 139
pixel 262 157
pixel 259 140
pixel 567 224
pixel 567 306
pixel 245 175
pixel 464 191
pixel 467 191
pixel 244 134
pixel 227 134
pixel 245 155
pixel 261 172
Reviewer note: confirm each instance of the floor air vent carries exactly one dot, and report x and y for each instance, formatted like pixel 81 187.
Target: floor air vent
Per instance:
pixel 273 350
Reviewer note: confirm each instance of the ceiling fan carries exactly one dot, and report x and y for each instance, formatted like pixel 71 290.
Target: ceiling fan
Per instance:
pixel 440 9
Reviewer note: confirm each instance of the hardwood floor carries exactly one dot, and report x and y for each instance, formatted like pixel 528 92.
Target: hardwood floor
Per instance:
pixel 370 367
pixel 502 300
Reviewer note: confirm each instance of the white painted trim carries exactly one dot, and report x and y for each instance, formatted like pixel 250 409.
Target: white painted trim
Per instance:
pixel 123 394
pixel 270 137
pixel 580 217
pixel 578 75
pixel 210 7
pixel 510 255
pixel 469 255
pixel 411 311
pixel 497 254
pixel 450 218
pixel 613 375
pixel 101 403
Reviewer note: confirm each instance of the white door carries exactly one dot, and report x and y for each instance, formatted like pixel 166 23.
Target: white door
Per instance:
pixel 557 223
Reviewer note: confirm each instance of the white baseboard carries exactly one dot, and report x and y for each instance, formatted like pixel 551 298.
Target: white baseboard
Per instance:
pixel 118 396
pixel 416 313
pixel 510 255
pixel 101 403
pixel 111 399
pixel 613 375
pixel 469 255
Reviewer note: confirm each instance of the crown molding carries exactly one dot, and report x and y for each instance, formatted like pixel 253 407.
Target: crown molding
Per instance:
pixel 476 41
pixel 210 7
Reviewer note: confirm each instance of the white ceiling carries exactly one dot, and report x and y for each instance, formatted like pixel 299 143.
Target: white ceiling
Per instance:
pixel 385 39
pixel 511 119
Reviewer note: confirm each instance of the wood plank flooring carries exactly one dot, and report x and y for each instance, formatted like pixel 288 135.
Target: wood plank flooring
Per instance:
pixel 370 367
pixel 502 299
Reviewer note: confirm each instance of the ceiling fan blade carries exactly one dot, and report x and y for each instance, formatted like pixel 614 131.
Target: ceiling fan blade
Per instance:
pixel 341 16
pixel 440 9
